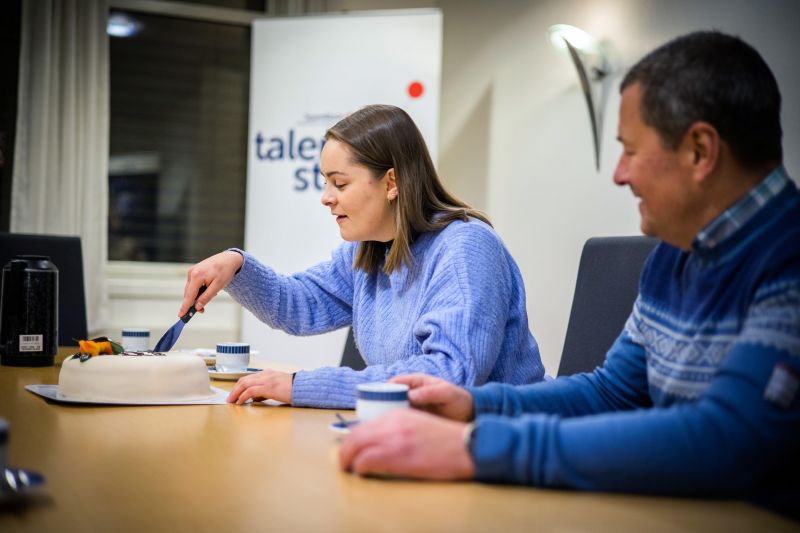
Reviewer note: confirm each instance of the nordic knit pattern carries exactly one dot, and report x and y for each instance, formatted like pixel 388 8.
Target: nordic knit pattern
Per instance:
pixel 699 394
pixel 458 314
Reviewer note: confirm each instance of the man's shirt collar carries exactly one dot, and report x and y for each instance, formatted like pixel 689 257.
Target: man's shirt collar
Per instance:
pixel 741 212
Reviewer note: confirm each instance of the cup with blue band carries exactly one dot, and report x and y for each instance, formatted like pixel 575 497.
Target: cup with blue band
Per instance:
pixel 233 356
pixel 376 399
pixel 135 339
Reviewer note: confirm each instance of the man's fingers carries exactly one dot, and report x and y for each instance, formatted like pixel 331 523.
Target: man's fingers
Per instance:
pixel 362 436
pixel 412 380
pixel 375 459
pixel 351 446
pixel 432 394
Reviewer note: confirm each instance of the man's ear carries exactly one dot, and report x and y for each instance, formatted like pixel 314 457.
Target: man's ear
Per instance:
pixel 391 185
pixel 702 149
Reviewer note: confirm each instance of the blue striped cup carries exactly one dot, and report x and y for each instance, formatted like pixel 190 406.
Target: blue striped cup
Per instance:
pixel 376 399
pixel 233 356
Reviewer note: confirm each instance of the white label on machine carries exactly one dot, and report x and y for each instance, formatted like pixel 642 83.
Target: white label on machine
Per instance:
pixel 31 343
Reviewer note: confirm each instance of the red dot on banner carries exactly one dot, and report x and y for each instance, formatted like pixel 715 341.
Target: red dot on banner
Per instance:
pixel 415 89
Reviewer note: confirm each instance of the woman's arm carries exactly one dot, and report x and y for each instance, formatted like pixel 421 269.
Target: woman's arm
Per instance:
pixel 463 325
pixel 306 303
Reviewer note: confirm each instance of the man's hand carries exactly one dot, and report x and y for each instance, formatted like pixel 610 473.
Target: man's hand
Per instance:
pixel 408 443
pixel 438 396
pixel 265 385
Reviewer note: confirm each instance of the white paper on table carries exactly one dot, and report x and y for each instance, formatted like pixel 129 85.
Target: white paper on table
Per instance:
pixel 51 393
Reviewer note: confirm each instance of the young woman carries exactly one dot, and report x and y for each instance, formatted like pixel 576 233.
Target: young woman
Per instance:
pixel 423 279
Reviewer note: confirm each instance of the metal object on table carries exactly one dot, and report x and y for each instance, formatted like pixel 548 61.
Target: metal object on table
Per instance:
pixel 14 482
pixel 19 481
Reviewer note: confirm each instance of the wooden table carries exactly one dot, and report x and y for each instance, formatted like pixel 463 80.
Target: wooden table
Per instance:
pixel 267 468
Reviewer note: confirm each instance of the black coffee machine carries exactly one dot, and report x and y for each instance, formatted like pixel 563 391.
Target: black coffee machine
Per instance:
pixel 29 312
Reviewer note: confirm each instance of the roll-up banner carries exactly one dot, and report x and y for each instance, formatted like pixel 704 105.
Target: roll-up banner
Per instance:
pixel 307 73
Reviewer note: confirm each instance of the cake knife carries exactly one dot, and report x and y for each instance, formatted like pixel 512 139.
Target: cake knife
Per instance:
pixel 168 340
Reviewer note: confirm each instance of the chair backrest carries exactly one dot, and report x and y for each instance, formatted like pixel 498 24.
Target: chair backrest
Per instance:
pixel 607 286
pixel 65 253
pixel 351 356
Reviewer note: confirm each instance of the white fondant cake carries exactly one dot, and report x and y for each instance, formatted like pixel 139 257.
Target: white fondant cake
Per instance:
pixel 134 379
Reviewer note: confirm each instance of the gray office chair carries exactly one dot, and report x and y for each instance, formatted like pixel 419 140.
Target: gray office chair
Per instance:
pixel 65 253
pixel 351 356
pixel 607 286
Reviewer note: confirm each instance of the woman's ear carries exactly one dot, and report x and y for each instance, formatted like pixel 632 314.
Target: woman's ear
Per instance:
pixel 391 185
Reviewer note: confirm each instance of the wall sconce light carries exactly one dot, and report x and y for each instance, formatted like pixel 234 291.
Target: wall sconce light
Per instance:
pixel 122 25
pixel 591 62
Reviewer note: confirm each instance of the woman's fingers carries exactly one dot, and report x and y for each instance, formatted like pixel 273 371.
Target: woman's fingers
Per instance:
pixel 256 393
pixel 190 291
pixel 237 391
pixel 267 384
pixel 211 291
pixel 215 272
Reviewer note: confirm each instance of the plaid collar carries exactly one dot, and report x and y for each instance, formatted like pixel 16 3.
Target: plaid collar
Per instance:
pixel 739 213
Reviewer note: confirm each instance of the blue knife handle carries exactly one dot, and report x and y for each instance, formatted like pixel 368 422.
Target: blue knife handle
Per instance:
pixel 191 312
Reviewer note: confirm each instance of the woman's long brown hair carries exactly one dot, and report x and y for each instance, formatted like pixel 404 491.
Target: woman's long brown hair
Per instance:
pixel 382 137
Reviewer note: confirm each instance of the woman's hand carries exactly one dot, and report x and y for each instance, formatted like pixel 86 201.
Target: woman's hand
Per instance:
pixel 438 396
pixel 408 443
pixel 215 273
pixel 265 385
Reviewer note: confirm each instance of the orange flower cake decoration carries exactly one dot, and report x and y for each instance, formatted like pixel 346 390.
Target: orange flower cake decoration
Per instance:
pixel 98 346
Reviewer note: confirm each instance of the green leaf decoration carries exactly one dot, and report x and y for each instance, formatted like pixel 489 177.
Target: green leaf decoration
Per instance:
pixel 116 348
pixel 101 339
pixel 85 357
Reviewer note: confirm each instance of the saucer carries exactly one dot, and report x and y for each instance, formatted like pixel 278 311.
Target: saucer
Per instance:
pixel 213 373
pixel 342 426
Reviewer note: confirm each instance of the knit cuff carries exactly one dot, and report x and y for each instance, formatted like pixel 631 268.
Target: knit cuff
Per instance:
pixel 485 399
pixel 324 387
pixel 501 451
pixel 244 262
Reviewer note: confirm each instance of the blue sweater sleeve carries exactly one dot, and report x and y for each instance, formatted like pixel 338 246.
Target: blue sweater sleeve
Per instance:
pixel 460 327
pixel 314 301
pixel 744 426
pixel 620 384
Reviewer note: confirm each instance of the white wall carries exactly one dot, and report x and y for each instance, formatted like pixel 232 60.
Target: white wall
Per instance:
pixel 148 295
pixel 515 137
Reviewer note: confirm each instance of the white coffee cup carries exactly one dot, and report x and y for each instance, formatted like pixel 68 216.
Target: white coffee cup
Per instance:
pixel 376 399
pixel 135 339
pixel 233 356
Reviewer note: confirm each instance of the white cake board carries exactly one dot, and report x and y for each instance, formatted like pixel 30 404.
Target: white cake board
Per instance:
pixel 51 393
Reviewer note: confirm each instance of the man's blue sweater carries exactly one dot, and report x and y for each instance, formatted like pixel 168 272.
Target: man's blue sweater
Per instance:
pixel 459 313
pixel 698 395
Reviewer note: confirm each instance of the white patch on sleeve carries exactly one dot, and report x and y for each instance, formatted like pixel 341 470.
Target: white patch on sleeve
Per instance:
pixel 782 386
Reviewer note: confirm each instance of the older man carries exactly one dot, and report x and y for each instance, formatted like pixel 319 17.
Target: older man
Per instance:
pixel 699 394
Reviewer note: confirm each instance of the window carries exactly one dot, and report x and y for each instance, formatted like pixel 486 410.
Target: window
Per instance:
pixel 179 94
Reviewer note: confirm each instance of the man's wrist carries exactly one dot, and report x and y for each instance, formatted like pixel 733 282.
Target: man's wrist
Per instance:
pixel 467 435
